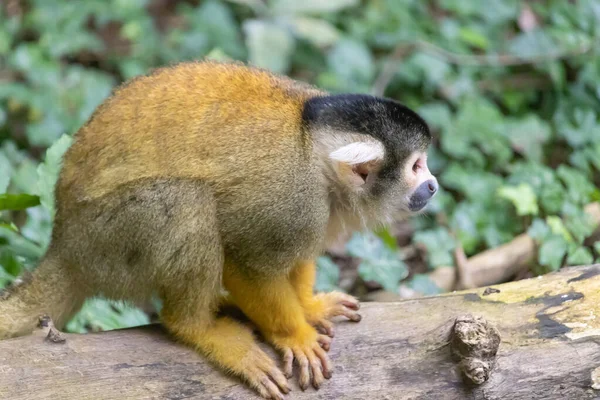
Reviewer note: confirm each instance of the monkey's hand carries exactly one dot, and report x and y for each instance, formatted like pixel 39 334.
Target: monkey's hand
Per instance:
pixel 324 306
pixel 304 346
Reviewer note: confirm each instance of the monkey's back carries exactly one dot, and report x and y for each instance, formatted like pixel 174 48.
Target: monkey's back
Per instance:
pixel 210 121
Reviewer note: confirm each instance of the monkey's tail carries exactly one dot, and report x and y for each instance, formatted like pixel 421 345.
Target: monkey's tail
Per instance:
pixel 48 291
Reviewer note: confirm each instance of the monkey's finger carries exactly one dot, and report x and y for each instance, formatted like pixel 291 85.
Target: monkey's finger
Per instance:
pixel 326 327
pixel 264 393
pixel 304 378
pixel 353 305
pixel 271 388
pixel 324 342
pixel 264 366
pixel 353 315
pixel 281 381
pixel 261 382
pixel 315 366
pixel 288 360
pixel 326 365
pixel 343 299
pixel 346 312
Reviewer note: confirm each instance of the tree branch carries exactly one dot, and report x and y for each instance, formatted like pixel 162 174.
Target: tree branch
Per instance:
pixel 549 349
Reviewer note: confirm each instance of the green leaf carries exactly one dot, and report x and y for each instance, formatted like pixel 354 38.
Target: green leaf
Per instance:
pixel 558 228
pixel 422 283
pixel 439 244
pixel 436 114
pixel 579 188
pixel 432 71
pixel 218 23
pixel 532 44
pixel 476 185
pixel 552 251
pixel 102 315
pixel 6 168
pixel 378 262
pixel 319 32
pixel 477 134
pixel 311 6
pixel 328 275
pixel 9 262
pixel 587 159
pixel 18 201
pixel 387 237
pixel 579 224
pixel 48 171
pixel 474 38
pixel 352 65
pixel 25 176
pixel 5 278
pixel 538 230
pixel 271 46
pixel 579 129
pixel 20 245
pixel 528 135
pixel 522 197
pixel 580 256
pixel 217 54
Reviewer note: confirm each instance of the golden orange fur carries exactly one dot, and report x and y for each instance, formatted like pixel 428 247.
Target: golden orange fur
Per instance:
pixel 196 178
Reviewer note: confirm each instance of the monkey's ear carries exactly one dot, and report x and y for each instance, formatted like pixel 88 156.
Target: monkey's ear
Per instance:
pixel 356 161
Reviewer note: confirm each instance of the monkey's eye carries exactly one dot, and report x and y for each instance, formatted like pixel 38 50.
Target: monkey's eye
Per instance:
pixel 417 165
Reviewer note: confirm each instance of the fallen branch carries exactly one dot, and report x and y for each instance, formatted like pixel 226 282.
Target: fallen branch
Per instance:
pixel 550 349
pixel 500 264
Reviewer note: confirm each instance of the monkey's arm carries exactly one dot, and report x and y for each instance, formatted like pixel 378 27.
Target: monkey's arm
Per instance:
pixel 320 308
pixel 273 305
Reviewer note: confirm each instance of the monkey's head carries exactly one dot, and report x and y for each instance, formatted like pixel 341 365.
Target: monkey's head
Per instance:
pixel 373 152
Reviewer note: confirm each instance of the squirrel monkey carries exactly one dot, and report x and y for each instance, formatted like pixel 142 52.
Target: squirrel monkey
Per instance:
pixel 207 176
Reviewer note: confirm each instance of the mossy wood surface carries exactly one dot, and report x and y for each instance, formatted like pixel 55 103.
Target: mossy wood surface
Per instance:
pixel 550 329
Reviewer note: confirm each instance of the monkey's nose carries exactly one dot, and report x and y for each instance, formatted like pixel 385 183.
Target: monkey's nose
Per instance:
pixel 422 194
pixel 432 185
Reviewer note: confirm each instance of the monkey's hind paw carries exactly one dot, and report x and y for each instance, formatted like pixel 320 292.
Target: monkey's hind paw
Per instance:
pixel 312 360
pixel 263 375
pixel 330 305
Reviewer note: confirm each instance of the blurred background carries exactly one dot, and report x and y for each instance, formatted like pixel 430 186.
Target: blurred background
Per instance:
pixel 511 90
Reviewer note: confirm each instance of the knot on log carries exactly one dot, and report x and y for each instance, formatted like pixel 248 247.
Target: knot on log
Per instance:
pixel 54 335
pixel 474 342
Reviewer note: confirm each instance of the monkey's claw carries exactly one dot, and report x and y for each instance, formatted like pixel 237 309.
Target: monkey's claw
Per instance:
pixel 312 360
pixel 262 374
pixel 332 304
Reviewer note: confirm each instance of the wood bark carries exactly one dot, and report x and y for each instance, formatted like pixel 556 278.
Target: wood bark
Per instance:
pixel 550 347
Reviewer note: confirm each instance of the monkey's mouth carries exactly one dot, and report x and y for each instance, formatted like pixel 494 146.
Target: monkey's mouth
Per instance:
pixel 417 205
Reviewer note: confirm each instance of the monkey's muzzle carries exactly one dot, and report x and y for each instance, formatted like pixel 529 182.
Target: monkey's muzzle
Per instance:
pixel 422 195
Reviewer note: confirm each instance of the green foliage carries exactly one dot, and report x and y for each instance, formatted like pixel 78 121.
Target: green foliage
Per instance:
pixel 510 89
pixel 48 171
pixel 439 244
pixel 99 314
pixel 379 262
pixel 422 283
pixel 523 198
pixel 18 201
pixel 328 275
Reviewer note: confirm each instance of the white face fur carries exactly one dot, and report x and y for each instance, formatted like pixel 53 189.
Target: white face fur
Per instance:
pixel 351 163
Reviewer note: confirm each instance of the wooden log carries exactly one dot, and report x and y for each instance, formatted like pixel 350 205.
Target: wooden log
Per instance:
pixel 550 347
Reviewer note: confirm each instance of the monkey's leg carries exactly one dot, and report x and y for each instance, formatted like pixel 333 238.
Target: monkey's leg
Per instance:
pixel 319 309
pixel 182 239
pixel 272 304
pixel 230 345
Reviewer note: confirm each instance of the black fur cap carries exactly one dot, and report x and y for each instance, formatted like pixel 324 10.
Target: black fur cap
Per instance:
pixel 397 127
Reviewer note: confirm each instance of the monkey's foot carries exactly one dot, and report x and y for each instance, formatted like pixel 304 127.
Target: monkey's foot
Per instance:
pixel 306 349
pixel 263 375
pixel 325 306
